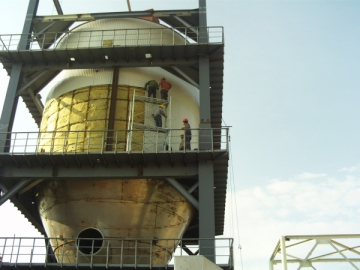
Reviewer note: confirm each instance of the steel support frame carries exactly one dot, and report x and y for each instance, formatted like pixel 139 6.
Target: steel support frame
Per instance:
pixel 11 100
pixel 206 168
pixel 338 249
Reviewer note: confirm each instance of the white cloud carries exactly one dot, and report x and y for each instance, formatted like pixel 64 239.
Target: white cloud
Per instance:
pixel 290 207
pixel 349 169
pixel 307 175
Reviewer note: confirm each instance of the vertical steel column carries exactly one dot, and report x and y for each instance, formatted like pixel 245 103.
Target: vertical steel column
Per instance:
pixel 9 108
pixel 206 169
pixel 283 253
pixel 111 126
pixel 11 100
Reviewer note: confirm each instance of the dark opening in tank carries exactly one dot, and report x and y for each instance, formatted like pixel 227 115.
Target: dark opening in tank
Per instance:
pixel 91 241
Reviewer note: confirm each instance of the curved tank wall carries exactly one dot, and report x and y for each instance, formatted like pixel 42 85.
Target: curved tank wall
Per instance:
pixel 76 112
pixel 121 208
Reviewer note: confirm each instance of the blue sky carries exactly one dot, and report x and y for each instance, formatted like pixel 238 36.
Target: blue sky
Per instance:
pixel 291 93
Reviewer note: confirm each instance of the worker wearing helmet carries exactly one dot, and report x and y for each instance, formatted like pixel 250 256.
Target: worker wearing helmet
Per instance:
pixel 181 146
pixel 187 131
pixel 164 87
pixel 159 112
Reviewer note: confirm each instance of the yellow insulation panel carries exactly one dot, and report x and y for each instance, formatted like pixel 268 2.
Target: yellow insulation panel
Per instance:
pixel 122 110
pixel 123 93
pixel 78 120
pixel 139 112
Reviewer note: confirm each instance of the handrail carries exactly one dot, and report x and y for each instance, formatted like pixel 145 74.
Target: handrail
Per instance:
pixel 144 138
pixel 112 252
pixel 112 38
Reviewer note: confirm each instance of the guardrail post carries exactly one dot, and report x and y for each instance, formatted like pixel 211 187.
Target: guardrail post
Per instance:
pixel 26 141
pixel 166 253
pixel 32 251
pixel 122 254
pixel 227 139
pixel 62 252
pixel 54 42
pixel 38 142
pixel 12 249
pixel 13 141
pixel 186 37
pixel 156 141
pixel 151 254
pixel 107 254
pixel 17 253
pixel 231 253
pixel 92 253
pixel 3 252
pixel 136 242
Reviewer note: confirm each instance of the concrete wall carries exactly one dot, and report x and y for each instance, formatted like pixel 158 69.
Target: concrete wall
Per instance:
pixel 194 262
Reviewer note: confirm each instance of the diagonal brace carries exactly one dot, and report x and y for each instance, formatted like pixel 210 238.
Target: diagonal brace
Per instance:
pixel 183 192
pixel 15 189
pixel 190 190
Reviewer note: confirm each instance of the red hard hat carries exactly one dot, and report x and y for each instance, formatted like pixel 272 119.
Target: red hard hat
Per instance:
pixel 185 120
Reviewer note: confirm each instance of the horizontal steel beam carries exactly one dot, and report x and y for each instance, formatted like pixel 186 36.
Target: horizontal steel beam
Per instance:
pixel 86 64
pixel 98 172
pixel 109 15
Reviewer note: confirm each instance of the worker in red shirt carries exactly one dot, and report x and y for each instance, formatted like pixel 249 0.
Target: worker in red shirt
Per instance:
pixel 164 87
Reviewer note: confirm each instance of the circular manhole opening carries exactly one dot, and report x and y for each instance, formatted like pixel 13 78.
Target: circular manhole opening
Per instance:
pixel 90 241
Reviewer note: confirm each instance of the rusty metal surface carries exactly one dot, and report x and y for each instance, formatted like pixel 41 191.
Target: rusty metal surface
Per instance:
pixel 118 208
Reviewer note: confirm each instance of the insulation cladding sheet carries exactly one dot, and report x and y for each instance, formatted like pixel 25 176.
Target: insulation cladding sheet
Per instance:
pixel 78 120
pixel 119 208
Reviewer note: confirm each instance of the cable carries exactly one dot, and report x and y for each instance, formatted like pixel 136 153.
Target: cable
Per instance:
pixel 232 180
pixel 233 198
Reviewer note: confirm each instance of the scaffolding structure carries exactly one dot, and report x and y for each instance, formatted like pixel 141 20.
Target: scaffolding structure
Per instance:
pixel 153 138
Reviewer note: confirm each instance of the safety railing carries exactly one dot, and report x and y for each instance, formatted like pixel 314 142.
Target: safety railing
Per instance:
pixel 113 38
pixel 146 140
pixel 111 252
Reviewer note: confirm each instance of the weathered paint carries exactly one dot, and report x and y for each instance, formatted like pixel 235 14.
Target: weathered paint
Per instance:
pixel 119 208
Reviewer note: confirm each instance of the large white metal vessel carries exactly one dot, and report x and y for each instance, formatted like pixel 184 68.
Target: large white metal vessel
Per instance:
pixel 80 103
